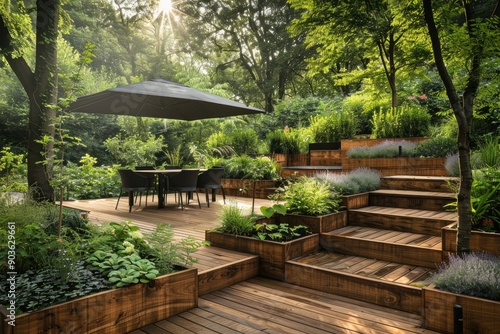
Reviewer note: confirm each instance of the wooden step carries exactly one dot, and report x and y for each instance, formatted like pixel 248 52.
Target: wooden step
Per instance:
pixel 379 282
pixel 418 183
pixel 423 200
pixel 219 268
pixel 393 246
pixel 402 219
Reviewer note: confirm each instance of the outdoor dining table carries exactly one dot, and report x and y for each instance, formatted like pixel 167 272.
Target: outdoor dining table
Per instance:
pixel 160 173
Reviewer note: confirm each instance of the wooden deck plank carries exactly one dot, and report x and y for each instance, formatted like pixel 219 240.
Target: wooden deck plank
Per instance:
pixel 256 305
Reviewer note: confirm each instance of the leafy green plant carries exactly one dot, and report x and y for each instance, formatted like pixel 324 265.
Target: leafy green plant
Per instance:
pixel 245 167
pixel 269 211
pixel 234 221
pixel 401 122
pixel 308 196
pixel 474 274
pixel 133 270
pixel 436 147
pixel 39 289
pixel 334 127
pixel 280 232
pixel 489 151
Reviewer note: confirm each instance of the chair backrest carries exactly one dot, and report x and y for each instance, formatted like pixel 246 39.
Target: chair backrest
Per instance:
pixel 144 168
pixel 187 178
pixel 132 180
pixel 212 177
pixel 172 167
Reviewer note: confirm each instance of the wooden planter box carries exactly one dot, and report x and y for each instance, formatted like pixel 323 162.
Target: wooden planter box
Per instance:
pixel 398 166
pixel 347 144
pixel 316 224
pixel 479 241
pixel 479 315
pixel 263 188
pixel 291 159
pixel 273 255
pixel 115 311
pixel 355 201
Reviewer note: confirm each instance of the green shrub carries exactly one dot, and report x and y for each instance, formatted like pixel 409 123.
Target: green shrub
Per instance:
pixel 285 141
pixel 489 151
pixel 333 128
pixel 245 167
pixel 308 196
pixel 436 147
pixel 401 122
pixel 475 274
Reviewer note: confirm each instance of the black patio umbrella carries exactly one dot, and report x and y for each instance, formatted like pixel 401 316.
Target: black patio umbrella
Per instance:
pixel 161 99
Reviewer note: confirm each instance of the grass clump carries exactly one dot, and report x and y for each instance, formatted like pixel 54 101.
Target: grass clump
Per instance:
pixel 475 274
pixel 234 221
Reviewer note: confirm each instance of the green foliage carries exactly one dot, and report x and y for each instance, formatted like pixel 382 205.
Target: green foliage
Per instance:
pixel 242 141
pixel 386 149
pixel 334 127
pixel 39 289
pixel 286 141
pixel 485 200
pixel 474 274
pixel 308 196
pixel 269 211
pixel 409 121
pixel 489 151
pixel 234 221
pixel 12 171
pixel 90 181
pixel 245 167
pixel 357 181
pixel 280 232
pixel 436 147
pixel 133 151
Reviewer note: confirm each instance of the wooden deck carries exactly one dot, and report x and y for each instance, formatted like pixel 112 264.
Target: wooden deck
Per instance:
pixel 261 305
pixel 257 304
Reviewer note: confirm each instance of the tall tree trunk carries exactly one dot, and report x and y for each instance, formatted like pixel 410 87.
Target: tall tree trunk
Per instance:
pixel 41 88
pixel 462 110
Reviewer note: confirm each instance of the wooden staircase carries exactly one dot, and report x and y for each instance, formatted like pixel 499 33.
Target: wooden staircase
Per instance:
pixel 388 247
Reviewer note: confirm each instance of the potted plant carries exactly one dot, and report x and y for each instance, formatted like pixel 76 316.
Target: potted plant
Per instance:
pixel 468 284
pixel 89 279
pixel 311 202
pixel 274 242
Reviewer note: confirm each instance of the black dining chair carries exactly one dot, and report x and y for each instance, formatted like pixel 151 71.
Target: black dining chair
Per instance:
pixel 133 182
pixel 166 190
pixel 151 178
pixel 212 179
pixel 184 182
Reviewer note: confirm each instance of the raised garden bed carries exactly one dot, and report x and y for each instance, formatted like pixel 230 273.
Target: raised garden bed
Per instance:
pixel 316 224
pixel 244 188
pixel 117 311
pixel 479 315
pixel 273 255
pixel 399 166
pixel 479 241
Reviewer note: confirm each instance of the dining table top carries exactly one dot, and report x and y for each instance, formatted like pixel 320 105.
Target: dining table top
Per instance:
pixel 167 171
pixel 158 171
